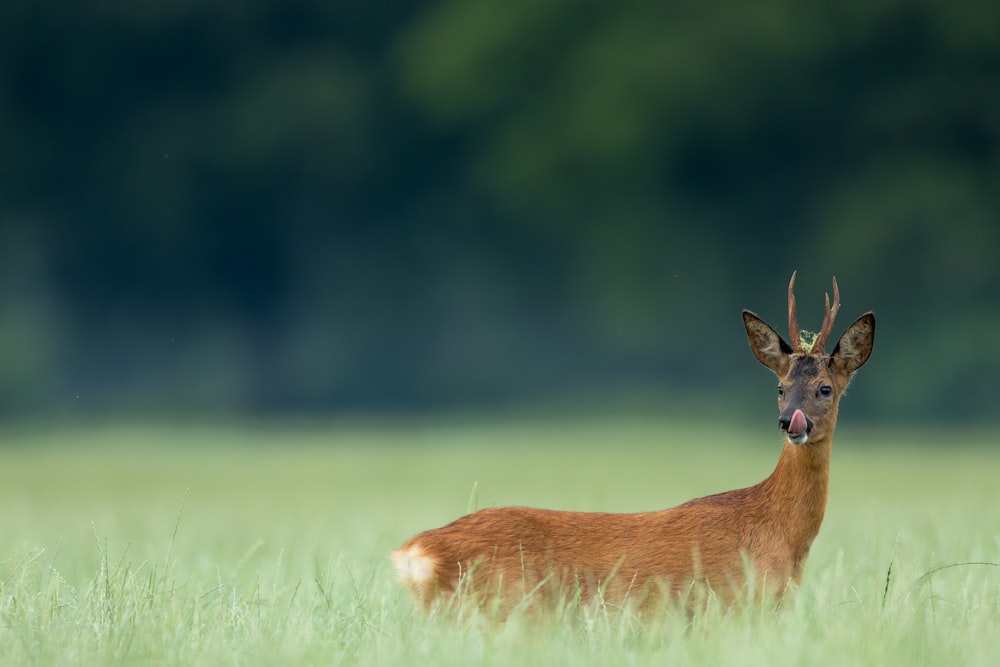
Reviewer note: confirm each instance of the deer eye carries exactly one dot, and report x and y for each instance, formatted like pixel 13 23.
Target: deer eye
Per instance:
pixel 781 390
pixel 826 390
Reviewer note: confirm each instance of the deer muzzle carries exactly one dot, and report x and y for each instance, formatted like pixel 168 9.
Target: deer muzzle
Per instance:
pixel 797 426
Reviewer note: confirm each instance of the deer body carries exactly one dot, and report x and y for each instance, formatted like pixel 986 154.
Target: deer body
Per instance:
pixel 511 552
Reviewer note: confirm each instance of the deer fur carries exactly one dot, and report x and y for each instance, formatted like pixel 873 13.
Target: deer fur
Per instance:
pixel 754 538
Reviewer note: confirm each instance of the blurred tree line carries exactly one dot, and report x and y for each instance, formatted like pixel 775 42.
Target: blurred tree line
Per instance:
pixel 328 207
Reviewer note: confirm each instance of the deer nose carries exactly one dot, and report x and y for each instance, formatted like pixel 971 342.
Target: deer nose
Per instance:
pixel 796 422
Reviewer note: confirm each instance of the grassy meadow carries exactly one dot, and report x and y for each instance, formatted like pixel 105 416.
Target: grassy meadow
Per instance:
pixel 268 544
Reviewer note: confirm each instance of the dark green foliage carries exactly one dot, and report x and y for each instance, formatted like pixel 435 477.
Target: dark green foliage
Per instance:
pixel 342 206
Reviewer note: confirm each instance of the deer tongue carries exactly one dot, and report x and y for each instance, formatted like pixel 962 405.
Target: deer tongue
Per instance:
pixel 798 424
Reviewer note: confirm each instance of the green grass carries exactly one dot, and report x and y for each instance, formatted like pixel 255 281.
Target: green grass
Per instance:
pixel 268 545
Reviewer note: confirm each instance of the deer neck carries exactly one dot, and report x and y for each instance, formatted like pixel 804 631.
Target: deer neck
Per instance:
pixel 797 490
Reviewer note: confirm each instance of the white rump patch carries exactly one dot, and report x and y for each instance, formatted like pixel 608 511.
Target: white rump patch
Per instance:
pixel 413 565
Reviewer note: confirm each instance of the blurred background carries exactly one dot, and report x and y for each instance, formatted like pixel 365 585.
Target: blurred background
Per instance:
pixel 337 208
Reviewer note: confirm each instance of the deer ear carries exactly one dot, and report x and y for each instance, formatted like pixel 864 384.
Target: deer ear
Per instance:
pixel 765 343
pixel 855 346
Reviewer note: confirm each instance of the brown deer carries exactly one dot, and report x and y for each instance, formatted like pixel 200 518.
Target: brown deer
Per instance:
pixel 753 539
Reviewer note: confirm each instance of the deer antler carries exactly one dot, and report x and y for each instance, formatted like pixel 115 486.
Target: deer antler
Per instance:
pixel 793 320
pixel 828 316
pixel 800 340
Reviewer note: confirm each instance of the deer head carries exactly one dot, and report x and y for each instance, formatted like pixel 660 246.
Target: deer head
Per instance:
pixel 810 382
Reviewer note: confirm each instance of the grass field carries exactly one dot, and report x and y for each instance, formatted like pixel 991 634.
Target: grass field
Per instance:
pixel 197 545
